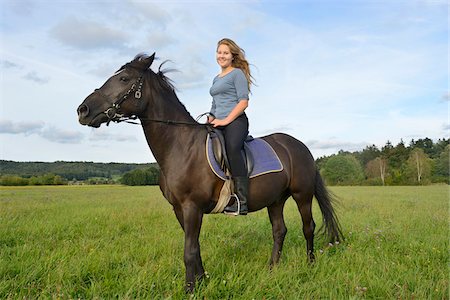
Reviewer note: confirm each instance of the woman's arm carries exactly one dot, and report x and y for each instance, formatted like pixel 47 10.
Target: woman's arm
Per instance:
pixel 236 112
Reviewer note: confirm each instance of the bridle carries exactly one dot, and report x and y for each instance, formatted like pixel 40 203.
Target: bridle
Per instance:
pixel 113 112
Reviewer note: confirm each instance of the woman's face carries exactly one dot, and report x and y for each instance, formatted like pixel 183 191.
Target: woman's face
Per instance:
pixel 224 56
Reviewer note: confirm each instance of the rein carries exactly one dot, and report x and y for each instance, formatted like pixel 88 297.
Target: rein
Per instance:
pixel 167 122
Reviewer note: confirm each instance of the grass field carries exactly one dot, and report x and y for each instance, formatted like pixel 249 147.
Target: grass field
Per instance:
pixel 124 242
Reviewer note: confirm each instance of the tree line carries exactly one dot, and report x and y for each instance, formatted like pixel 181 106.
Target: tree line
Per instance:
pixel 60 172
pixel 69 170
pixel 47 179
pixel 148 176
pixel 421 162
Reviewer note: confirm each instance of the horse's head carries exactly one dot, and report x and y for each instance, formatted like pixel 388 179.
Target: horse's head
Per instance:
pixel 120 96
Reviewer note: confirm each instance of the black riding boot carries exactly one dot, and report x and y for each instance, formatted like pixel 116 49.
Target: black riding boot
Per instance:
pixel 241 190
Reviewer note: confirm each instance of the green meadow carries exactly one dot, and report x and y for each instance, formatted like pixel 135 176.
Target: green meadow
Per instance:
pixel 102 242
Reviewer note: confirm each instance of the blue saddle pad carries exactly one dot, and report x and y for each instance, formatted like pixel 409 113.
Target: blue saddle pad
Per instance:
pixel 265 158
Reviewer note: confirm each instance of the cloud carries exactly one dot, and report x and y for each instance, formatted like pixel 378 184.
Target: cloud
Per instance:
pixel 57 135
pixel 335 144
pixel 192 75
pixel 99 135
pixel 26 128
pixel 152 12
pixel 33 76
pixel 160 40
pixel 23 8
pixel 39 128
pixel 6 64
pixel 282 128
pixel 104 70
pixel 446 97
pixel 61 136
pixel 88 35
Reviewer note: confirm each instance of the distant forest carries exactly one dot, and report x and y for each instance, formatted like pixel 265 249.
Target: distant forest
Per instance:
pixel 67 172
pixel 420 162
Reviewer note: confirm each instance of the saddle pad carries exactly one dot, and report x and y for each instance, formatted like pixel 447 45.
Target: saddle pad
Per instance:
pixel 265 158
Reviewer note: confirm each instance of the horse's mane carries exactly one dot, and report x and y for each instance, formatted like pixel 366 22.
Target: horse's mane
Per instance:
pixel 163 79
pixel 164 84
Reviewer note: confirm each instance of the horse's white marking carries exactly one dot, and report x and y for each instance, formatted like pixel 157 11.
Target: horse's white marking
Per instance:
pixel 120 71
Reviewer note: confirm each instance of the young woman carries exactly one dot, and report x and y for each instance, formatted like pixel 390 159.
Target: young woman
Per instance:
pixel 230 91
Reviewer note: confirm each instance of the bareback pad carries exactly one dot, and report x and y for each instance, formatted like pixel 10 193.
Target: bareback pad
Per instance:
pixel 259 156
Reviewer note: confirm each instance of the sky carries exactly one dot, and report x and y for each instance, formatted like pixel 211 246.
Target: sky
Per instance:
pixel 335 74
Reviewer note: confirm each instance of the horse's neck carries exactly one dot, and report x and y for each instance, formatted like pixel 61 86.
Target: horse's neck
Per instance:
pixel 167 107
pixel 169 143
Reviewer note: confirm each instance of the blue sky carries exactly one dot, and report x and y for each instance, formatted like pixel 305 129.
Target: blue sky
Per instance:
pixel 334 74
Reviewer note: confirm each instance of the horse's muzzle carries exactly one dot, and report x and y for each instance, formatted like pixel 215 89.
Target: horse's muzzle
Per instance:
pixel 83 111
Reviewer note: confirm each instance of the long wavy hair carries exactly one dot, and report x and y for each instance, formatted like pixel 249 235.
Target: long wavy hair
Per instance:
pixel 239 60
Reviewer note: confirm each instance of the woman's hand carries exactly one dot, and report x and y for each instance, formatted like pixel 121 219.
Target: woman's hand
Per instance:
pixel 236 112
pixel 219 122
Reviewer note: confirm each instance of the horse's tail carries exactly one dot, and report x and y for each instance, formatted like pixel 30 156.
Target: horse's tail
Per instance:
pixel 330 225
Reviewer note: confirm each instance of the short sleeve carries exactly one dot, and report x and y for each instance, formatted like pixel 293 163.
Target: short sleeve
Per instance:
pixel 241 85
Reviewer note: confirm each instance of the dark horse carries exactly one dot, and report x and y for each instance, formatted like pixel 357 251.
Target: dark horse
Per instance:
pixel 177 142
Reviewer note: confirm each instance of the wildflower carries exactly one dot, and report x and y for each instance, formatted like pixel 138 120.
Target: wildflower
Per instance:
pixel 361 289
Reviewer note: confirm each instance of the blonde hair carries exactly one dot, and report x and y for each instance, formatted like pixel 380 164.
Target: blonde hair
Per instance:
pixel 239 60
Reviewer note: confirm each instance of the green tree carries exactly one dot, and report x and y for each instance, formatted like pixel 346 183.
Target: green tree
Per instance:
pixel 419 167
pixel 396 159
pixel 425 144
pixel 154 176
pixel 149 176
pixel 439 147
pixel 441 169
pixel 12 180
pixel 369 153
pixel 376 169
pixel 343 170
pixel 398 156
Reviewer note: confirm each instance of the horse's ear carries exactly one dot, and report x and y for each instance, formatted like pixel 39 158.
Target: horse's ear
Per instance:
pixel 143 61
pixel 149 60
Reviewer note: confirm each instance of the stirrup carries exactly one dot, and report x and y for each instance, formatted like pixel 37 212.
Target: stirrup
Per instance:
pixel 236 213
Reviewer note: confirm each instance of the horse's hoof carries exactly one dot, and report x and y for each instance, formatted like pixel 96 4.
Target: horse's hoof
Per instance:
pixel 189 288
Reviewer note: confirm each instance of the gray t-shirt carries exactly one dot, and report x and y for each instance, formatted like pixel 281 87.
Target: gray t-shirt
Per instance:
pixel 227 91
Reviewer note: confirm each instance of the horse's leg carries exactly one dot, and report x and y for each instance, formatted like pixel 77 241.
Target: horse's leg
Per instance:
pixel 175 204
pixel 192 218
pixel 279 230
pixel 179 214
pixel 304 204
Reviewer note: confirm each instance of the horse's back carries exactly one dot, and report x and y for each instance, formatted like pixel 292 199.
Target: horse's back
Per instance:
pixel 288 143
pixel 297 160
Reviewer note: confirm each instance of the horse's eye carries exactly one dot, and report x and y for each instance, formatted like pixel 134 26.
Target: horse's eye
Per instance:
pixel 124 79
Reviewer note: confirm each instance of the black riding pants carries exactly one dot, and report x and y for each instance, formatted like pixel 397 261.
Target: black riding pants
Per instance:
pixel 235 134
